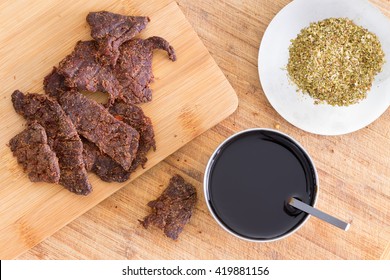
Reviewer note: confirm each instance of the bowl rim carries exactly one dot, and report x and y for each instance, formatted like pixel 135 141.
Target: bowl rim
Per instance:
pixel 206 178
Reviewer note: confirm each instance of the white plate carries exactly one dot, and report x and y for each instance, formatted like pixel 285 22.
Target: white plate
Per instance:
pixel 299 109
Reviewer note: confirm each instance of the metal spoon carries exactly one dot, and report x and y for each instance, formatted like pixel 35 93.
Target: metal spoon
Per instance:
pixel 317 213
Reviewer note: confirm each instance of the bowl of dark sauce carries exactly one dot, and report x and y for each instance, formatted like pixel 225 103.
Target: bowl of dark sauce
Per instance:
pixel 249 179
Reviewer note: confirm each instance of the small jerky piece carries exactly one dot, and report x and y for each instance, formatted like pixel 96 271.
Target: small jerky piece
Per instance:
pixel 95 123
pixel 102 165
pixel 112 30
pixel 62 137
pixel 134 67
pixel 54 83
pixel 34 154
pixel 173 208
pixel 82 71
pixel 135 117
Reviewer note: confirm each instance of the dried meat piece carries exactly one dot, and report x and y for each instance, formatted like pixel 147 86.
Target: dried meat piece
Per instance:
pixel 172 210
pixel 62 137
pixel 134 116
pixel 134 67
pixel 130 78
pixel 90 152
pixel 83 71
pixel 105 167
pixel 102 165
pixel 35 155
pixel 111 30
pixel 113 137
pixel 54 83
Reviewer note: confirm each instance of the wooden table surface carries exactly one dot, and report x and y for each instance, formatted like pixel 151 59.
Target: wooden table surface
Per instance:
pixel 354 169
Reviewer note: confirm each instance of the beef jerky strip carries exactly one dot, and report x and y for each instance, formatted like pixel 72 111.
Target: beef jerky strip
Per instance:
pixel 90 152
pixel 34 154
pixel 62 137
pixel 113 137
pixel 102 165
pixel 106 168
pixel 135 117
pixel 82 71
pixel 172 210
pixel 54 83
pixel 134 67
pixel 98 162
pixel 112 30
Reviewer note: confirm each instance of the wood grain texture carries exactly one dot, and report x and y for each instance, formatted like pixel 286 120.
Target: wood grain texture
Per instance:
pixel 354 170
pixel 190 96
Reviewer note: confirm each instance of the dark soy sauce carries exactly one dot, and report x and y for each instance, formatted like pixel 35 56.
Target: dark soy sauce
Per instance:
pixel 251 178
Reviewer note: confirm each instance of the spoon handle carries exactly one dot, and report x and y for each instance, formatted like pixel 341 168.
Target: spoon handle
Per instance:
pixel 319 214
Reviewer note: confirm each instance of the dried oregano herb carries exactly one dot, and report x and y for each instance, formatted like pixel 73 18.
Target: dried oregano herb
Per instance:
pixel 335 61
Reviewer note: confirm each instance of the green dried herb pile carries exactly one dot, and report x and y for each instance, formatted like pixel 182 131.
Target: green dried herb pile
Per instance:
pixel 335 61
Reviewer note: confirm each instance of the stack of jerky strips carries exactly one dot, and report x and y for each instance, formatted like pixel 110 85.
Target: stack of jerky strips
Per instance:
pixel 69 134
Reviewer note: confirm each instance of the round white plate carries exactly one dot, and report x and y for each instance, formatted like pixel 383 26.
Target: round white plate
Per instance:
pixel 299 109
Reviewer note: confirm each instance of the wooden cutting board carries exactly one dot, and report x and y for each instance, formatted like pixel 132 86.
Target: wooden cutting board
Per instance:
pixel 189 96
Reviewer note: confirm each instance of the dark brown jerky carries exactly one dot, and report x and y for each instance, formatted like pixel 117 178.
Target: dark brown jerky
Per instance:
pixel 173 208
pixel 106 168
pixel 102 165
pixel 35 155
pixel 95 123
pixel 62 137
pixel 112 30
pixel 90 152
pixel 135 117
pixel 134 67
pixel 54 83
pixel 82 71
